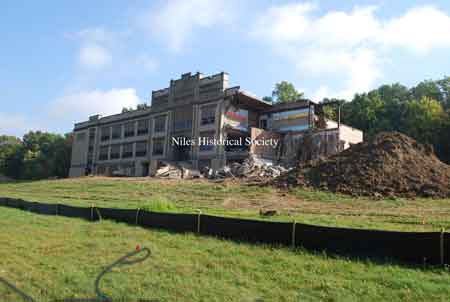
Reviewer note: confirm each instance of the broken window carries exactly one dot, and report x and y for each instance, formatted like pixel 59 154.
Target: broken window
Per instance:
pixel 127 150
pixel 160 123
pixel 208 115
pixel 129 129
pixel 103 154
pixel 142 127
pixel 105 133
pixel 141 149
pixel 115 152
pixel 158 146
pixel 116 131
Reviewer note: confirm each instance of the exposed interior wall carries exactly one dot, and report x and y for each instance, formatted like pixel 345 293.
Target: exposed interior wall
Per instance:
pixel 269 152
pixel 304 146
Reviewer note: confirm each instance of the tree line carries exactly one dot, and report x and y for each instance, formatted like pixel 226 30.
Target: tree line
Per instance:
pixel 422 112
pixel 38 155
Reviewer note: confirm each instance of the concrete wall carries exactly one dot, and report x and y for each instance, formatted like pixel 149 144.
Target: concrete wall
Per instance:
pixel 79 153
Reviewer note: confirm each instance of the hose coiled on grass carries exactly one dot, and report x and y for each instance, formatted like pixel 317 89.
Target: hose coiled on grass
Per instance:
pixel 101 296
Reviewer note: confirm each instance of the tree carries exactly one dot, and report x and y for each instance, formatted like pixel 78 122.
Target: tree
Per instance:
pixel 142 106
pixel 11 156
pixel 268 99
pixel 285 92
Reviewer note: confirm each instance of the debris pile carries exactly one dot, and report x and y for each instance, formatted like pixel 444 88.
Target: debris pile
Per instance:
pixel 179 170
pixel 391 164
pixel 252 167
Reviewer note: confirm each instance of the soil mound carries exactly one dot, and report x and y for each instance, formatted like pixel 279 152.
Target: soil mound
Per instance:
pixel 391 164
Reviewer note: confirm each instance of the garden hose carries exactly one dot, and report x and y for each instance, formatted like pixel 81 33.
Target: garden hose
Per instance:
pixel 101 296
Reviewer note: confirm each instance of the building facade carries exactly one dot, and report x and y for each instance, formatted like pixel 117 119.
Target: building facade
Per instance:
pixel 193 108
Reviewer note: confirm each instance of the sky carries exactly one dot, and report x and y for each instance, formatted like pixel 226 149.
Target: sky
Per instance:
pixel 61 61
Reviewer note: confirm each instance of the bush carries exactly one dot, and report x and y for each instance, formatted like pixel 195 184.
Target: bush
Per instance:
pixel 159 204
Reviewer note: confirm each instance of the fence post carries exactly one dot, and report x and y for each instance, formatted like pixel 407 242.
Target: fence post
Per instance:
pixel 293 234
pixel 137 216
pixel 92 212
pixel 198 221
pixel 442 246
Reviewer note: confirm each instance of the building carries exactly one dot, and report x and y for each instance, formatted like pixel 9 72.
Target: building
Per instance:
pixel 180 124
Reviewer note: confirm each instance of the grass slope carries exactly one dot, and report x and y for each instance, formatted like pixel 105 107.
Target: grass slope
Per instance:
pixel 54 257
pixel 234 199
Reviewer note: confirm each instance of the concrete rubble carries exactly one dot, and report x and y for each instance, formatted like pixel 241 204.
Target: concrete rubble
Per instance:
pixel 252 167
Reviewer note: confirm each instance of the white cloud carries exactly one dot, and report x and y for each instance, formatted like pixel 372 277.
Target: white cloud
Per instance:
pixel 350 46
pixel 94 56
pixel 79 106
pixel 419 29
pixel 175 21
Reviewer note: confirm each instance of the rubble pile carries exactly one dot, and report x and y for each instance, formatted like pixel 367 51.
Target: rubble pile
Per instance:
pixel 179 170
pixel 391 164
pixel 252 167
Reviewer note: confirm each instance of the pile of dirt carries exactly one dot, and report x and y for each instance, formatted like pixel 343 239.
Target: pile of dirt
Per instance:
pixel 391 164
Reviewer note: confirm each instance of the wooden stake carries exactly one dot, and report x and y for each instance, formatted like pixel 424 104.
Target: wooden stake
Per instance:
pixel 293 234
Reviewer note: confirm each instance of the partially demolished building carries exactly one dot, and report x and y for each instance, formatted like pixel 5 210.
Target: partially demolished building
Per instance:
pixel 201 121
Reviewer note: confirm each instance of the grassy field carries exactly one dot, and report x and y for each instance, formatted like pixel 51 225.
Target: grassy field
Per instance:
pixel 55 257
pixel 234 199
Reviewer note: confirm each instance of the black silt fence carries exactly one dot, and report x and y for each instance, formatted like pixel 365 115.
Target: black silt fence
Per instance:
pixel 78 212
pixel 43 208
pixel 404 246
pixel 17 203
pixel 121 215
pixel 431 248
pixel 446 248
pixel 247 230
pixel 168 221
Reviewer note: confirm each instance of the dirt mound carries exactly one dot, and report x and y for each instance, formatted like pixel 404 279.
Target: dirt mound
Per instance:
pixel 391 164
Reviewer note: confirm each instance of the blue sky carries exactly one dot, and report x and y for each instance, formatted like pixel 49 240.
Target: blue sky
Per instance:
pixel 61 61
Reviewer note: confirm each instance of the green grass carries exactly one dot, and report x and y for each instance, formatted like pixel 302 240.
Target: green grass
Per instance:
pixel 239 200
pixel 55 257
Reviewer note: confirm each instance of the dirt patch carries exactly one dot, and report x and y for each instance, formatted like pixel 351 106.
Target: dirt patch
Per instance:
pixel 391 164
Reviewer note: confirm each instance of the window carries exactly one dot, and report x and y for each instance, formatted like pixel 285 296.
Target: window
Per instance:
pixel 182 118
pixel 160 123
pixel 141 149
pixel 142 127
pixel 129 129
pixel 206 141
pixel 105 133
pixel 263 124
pixel 115 152
pixel 91 133
pixel 81 136
pixel 127 150
pixel 103 155
pixel 158 146
pixel 208 115
pixel 116 131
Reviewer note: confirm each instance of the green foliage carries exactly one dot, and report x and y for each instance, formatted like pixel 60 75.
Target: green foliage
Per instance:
pixel 142 106
pixel 159 204
pixel 285 92
pixel 38 155
pixel 268 99
pixel 421 112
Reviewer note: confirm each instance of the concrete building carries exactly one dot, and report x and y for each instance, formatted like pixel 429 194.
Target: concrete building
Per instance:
pixel 182 119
